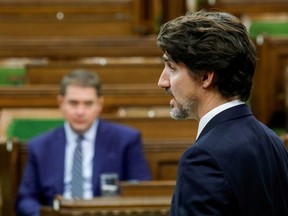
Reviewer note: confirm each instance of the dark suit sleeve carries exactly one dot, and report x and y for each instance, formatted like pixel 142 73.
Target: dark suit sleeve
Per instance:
pixel 27 203
pixel 136 164
pixel 202 188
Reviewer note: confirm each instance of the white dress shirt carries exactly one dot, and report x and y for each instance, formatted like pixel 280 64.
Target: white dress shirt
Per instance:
pixel 208 116
pixel 88 155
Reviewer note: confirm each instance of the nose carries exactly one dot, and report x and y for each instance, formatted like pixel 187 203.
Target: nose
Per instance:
pixel 80 109
pixel 163 81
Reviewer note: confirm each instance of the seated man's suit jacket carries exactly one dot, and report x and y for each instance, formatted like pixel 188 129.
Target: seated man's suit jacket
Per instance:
pixel 117 149
pixel 237 167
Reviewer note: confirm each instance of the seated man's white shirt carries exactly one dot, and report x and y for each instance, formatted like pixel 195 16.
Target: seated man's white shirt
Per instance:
pixel 88 155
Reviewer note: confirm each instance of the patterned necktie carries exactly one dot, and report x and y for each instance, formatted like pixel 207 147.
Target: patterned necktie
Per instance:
pixel 77 175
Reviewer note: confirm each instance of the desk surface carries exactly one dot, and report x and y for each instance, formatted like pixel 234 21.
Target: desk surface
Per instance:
pixel 117 202
pixel 136 205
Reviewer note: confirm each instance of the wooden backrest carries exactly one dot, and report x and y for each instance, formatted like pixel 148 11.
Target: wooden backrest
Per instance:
pixel 161 127
pixel 268 94
pixel 73 29
pixel 133 70
pixel 45 96
pixel 78 47
pixel 68 18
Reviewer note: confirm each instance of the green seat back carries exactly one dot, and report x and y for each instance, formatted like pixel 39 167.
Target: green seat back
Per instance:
pixel 12 76
pixel 25 129
pixel 268 28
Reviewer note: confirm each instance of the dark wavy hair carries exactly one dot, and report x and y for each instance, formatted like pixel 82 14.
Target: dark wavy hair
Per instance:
pixel 212 41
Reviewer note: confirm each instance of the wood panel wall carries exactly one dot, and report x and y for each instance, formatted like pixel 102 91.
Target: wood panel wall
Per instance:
pixel 268 94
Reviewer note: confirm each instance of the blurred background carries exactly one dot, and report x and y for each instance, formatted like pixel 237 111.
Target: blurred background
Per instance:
pixel 41 40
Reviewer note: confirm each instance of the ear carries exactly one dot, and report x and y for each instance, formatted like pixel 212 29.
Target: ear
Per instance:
pixel 59 100
pixel 207 79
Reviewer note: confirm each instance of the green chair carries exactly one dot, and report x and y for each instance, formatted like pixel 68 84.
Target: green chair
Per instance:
pixel 12 76
pixel 25 129
pixel 272 28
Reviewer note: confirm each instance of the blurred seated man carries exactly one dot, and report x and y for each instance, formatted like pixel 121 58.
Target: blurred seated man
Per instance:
pixel 99 145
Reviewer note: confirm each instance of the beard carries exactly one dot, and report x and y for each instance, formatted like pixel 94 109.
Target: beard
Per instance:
pixel 183 111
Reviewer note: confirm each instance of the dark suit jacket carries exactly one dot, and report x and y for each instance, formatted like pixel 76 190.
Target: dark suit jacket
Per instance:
pixel 117 149
pixel 237 167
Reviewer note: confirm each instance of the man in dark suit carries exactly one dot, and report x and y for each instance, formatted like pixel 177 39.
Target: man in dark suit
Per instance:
pixel 237 166
pixel 103 147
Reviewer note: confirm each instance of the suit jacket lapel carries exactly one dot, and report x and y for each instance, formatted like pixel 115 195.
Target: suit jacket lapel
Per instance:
pixel 98 159
pixel 231 113
pixel 59 159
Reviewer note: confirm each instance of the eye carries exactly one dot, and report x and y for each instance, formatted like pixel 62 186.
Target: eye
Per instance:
pixel 73 103
pixel 88 103
pixel 171 66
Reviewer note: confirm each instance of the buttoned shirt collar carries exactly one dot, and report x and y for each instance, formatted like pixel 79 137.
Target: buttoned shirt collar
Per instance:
pixel 208 116
pixel 89 135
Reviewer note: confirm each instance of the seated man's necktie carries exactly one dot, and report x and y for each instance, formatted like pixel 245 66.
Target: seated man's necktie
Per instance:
pixel 77 173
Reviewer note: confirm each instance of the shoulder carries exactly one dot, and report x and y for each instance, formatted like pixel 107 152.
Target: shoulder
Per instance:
pixel 46 138
pixel 110 126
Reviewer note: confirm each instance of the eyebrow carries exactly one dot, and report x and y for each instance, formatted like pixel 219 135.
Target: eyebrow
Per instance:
pixel 166 58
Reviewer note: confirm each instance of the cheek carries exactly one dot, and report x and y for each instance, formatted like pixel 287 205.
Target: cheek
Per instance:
pixel 183 90
pixel 179 94
pixel 94 111
pixel 178 85
pixel 66 111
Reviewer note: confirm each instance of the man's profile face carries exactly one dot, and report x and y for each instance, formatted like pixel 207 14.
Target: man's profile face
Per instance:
pixel 179 83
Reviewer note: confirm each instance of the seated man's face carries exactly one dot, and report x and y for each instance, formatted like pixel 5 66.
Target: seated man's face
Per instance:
pixel 80 106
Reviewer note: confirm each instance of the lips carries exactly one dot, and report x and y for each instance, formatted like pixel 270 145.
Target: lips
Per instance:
pixel 172 102
pixel 79 121
pixel 168 91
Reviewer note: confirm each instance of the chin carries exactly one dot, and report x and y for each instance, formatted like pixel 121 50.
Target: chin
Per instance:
pixel 80 130
pixel 178 115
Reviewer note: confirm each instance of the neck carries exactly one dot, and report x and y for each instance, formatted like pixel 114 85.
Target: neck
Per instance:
pixel 211 102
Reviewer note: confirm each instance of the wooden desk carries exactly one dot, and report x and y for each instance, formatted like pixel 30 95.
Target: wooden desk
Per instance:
pixel 148 188
pixel 118 206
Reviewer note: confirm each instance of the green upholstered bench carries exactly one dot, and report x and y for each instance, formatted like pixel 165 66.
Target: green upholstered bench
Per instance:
pixel 25 129
pixel 12 76
pixel 268 28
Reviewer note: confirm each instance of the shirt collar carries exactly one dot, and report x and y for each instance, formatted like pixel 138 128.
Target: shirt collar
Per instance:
pixel 208 116
pixel 89 135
